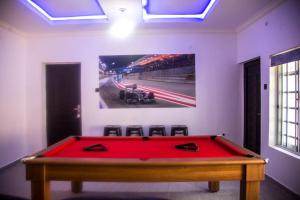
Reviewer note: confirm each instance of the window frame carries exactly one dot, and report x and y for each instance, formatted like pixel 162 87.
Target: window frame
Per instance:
pixel 280 94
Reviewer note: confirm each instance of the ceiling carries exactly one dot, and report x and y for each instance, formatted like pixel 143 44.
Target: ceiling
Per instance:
pixel 226 15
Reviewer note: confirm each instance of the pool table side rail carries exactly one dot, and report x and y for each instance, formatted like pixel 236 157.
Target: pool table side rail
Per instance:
pixel 247 151
pixel 153 161
pixel 145 173
pixel 50 148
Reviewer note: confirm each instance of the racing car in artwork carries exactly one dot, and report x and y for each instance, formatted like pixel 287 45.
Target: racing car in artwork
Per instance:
pixel 132 95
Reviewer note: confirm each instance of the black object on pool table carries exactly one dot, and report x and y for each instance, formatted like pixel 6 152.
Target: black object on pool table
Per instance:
pixel 145 138
pixel 187 147
pixel 95 147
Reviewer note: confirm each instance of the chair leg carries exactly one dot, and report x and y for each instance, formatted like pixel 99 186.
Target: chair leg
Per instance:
pixel 76 186
pixel 214 186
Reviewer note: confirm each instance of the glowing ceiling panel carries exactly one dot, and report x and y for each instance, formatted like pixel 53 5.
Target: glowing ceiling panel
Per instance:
pixel 65 10
pixel 186 10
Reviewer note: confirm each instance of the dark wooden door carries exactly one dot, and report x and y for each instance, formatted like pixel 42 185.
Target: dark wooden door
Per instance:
pixel 252 105
pixel 63 101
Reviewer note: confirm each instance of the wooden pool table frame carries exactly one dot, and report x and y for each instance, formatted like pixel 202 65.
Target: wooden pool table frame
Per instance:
pixel 248 170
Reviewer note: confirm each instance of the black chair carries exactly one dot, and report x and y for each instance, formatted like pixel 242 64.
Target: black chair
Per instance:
pixel 157 130
pixel 179 130
pixel 112 131
pixel 134 130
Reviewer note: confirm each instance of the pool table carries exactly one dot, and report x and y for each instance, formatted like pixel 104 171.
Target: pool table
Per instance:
pixel 145 159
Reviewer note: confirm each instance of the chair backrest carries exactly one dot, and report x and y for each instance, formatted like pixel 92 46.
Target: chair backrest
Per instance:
pixel 179 130
pixel 157 130
pixel 112 130
pixel 134 130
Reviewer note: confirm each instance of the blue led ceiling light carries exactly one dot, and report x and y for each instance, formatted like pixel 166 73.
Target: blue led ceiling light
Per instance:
pixel 200 14
pixel 44 12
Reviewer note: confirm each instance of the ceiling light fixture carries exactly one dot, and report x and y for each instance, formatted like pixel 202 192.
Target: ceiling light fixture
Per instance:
pixel 148 16
pixel 122 27
pixel 52 18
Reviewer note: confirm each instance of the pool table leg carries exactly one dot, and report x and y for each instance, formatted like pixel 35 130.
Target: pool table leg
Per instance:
pixel 250 184
pixel 249 190
pixel 213 186
pixel 40 190
pixel 76 186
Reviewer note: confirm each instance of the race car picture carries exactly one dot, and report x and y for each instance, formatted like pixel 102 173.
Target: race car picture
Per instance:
pixel 147 81
pixel 132 95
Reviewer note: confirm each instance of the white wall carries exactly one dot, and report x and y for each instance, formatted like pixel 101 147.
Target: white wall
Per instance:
pixel 277 31
pixel 12 96
pixel 217 81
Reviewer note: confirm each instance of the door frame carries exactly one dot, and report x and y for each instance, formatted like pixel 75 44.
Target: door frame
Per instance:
pixel 244 102
pixel 44 97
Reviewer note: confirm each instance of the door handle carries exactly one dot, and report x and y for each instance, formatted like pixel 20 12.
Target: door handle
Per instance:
pixel 77 109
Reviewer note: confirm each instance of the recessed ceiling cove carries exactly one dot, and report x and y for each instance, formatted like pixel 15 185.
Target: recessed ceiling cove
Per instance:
pixel 177 9
pixel 149 10
pixel 64 10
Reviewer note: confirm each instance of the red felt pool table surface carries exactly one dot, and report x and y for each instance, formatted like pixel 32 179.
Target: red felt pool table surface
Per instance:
pixel 145 147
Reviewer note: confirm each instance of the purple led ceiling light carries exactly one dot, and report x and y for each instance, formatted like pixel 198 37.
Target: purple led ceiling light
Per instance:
pixel 200 15
pixel 41 10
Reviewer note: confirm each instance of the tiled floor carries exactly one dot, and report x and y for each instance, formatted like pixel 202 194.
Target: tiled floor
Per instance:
pixel 12 182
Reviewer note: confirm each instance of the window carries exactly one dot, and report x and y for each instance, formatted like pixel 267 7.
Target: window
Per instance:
pixel 288 106
pixel 285 67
